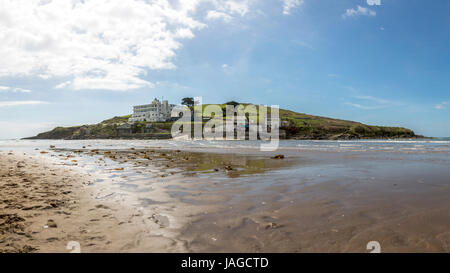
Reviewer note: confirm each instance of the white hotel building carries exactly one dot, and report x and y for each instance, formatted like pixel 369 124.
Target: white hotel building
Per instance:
pixel 155 112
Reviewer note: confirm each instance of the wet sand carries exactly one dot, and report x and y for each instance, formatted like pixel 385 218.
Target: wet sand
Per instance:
pixel 155 200
pixel 44 206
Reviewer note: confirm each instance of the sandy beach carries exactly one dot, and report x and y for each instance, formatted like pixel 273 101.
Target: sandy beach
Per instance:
pixel 150 199
pixel 45 206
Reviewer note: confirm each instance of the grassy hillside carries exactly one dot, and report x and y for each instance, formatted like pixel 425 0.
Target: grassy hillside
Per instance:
pixel 304 126
pixel 295 125
pixel 315 127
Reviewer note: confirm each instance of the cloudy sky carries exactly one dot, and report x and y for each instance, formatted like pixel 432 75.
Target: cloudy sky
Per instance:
pixel 71 62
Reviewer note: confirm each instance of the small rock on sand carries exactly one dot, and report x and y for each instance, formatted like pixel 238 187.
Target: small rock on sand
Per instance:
pixel 278 157
pixel 51 223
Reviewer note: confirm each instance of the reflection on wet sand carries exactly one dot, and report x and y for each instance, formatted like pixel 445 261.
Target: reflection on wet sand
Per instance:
pixel 178 201
pixel 236 202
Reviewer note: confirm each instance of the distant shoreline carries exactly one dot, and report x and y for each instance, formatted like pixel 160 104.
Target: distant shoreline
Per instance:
pixel 325 139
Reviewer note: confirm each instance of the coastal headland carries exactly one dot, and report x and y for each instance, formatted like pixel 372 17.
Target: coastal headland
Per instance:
pixel 293 125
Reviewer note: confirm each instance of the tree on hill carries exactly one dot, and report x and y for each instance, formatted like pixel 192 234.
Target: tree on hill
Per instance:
pixel 234 103
pixel 188 102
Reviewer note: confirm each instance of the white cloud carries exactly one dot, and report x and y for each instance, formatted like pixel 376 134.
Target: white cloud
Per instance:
pixel 101 44
pixel 110 82
pixel 184 33
pixel 372 103
pixel 374 99
pixel 63 85
pixel 288 5
pixel 227 68
pixel 238 7
pixel 21 102
pixel 364 107
pixel 217 15
pixel 441 106
pixel 14 90
pixel 44 76
pixel 373 2
pixel 21 90
pixel 359 11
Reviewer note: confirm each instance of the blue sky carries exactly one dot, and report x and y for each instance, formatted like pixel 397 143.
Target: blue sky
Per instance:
pixel 378 62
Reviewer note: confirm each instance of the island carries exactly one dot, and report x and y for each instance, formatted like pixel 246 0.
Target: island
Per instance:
pixel 293 125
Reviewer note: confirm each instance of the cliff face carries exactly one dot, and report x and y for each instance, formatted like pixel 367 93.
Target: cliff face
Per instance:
pixel 294 126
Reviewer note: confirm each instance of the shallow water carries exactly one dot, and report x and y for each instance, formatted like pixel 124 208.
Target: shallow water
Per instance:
pixel 416 145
